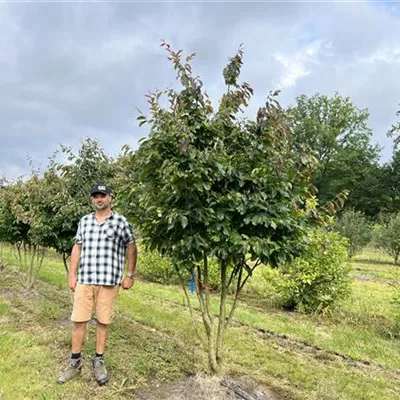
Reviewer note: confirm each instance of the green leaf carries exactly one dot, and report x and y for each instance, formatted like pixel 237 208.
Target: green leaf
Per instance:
pixel 184 221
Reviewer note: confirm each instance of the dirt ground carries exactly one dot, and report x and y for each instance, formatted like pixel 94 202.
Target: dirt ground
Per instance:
pixel 201 387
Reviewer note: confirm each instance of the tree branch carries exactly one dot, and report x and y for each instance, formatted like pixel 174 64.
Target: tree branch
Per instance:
pixel 236 296
pixel 189 306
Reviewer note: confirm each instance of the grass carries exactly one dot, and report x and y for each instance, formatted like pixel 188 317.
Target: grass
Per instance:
pixel 351 354
pixel 375 256
pixel 38 323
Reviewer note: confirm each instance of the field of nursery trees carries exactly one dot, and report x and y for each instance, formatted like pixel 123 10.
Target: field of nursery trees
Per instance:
pixel 268 252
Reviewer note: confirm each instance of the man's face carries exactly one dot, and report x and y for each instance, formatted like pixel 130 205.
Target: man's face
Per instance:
pixel 101 201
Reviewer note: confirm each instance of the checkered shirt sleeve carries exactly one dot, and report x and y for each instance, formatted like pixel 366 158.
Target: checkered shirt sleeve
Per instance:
pixel 103 249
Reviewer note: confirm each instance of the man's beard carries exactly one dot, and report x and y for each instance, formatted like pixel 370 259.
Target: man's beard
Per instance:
pixel 101 206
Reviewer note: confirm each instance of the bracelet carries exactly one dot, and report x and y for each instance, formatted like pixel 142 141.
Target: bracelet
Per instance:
pixel 130 276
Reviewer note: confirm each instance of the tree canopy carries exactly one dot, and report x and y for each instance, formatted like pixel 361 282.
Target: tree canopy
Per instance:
pixel 338 133
pixel 209 184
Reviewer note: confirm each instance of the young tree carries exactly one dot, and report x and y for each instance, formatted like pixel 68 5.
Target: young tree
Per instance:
pixel 23 216
pixel 46 210
pixel 209 184
pixel 68 187
pixel 354 226
pixel 387 236
pixel 11 230
pixel 2 236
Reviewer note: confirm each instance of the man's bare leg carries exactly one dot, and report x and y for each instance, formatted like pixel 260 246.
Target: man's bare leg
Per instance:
pixel 78 336
pixel 74 364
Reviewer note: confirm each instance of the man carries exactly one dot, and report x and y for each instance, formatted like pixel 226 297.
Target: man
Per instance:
pixel 102 240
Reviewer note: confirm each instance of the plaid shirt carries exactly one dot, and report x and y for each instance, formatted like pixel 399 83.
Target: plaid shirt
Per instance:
pixel 103 249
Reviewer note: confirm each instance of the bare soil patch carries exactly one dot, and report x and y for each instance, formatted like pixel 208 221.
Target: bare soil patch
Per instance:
pixel 203 387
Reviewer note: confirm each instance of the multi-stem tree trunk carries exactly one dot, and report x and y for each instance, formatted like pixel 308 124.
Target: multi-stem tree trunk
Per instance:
pixel 222 312
pixel 215 325
pixel 202 287
pixel 30 258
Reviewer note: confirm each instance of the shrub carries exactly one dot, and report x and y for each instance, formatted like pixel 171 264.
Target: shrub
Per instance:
pixel 155 268
pixel 319 279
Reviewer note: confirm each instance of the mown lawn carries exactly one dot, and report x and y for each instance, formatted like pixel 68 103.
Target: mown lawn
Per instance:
pixel 352 354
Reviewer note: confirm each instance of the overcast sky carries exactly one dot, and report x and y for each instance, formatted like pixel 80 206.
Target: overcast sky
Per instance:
pixel 70 70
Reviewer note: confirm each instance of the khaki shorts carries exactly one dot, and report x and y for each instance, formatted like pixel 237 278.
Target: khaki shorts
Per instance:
pixel 94 297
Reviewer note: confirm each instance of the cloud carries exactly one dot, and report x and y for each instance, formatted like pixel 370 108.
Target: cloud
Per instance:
pixel 299 64
pixel 69 70
pixel 386 53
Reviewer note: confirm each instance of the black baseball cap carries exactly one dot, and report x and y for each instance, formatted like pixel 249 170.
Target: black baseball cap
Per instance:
pixel 100 187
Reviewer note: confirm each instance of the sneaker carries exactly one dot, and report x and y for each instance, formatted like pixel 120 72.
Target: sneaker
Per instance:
pixel 100 370
pixel 73 369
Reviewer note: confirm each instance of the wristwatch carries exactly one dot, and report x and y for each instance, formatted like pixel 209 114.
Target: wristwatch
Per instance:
pixel 130 276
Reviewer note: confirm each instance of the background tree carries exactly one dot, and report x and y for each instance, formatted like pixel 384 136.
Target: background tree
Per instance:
pixel 381 189
pixel 354 226
pixel 69 182
pixel 371 192
pixel 43 212
pixel 390 184
pixel 2 228
pixel 387 236
pixel 209 184
pixel 12 231
pixel 394 132
pixel 23 224
pixel 338 132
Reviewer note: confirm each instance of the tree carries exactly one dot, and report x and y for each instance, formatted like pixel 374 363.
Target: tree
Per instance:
pixel 354 226
pixel 390 174
pixel 209 184
pixel 394 132
pixel 43 212
pixel 387 236
pixel 337 131
pixel 23 216
pixel 68 189
pixel 390 181
pixel 46 210
pixel 371 194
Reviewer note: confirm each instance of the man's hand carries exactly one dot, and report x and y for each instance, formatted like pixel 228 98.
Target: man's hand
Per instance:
pixel 72 281
pixel 127 283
